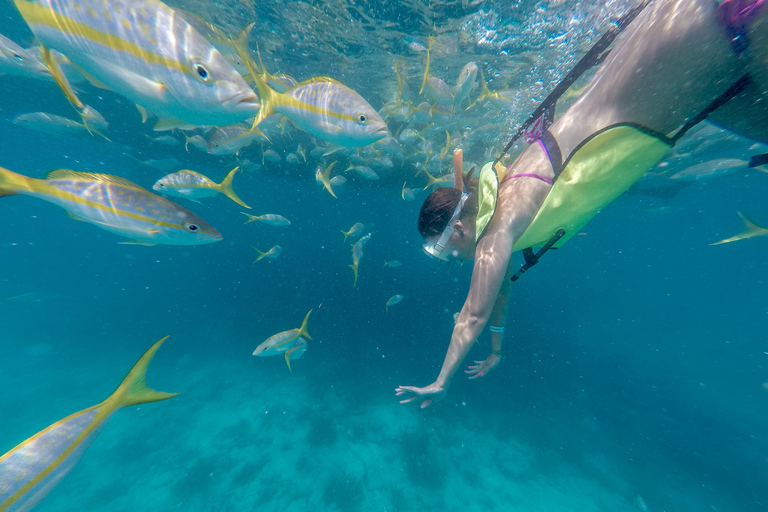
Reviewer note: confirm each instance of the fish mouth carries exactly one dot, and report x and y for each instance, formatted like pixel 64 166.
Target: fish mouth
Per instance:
pixel 246 101
pixel 210 238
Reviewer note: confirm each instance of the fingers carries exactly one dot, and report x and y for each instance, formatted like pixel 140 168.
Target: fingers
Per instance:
pixel 476 376
pixel 404 389
pixel 426 403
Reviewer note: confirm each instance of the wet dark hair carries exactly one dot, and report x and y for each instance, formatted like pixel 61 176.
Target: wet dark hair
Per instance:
pixel 438 207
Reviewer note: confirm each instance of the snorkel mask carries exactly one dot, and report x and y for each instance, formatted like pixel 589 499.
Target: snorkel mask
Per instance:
pixel 437 249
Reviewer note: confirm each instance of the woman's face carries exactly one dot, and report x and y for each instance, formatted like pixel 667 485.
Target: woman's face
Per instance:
pixel 460 246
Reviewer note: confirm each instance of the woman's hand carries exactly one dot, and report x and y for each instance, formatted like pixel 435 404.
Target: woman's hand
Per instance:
pixel 433 393
pixel 483 367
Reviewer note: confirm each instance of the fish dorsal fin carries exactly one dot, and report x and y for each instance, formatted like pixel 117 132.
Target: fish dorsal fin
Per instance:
pixel 66 174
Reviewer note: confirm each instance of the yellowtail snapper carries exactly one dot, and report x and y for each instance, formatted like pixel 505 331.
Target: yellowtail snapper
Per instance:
pixel 272 253
pixel 193 185
pixel 321 106
pixel 116 205
pixel 291 342
pixel 145 51
pixel 29 471
pixel 272 219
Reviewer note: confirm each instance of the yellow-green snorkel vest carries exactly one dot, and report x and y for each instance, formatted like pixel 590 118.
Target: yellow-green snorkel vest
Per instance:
pixel 599 170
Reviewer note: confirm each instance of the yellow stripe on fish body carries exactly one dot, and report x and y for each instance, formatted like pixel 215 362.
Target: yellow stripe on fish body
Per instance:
pixel 116 205
pixel 30 470
pixel 193 185
pixel 325 108
pixel 332 112
pixel 144 51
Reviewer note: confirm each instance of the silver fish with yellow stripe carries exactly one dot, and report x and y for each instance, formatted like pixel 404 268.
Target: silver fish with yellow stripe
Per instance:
pixel 292 343
pixel 29 471
pixel 116 205
pixel 193 185
pixel 320 106
pixel 145 51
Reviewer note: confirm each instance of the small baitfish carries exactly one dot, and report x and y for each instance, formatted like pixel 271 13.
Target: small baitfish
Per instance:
pixel 93 122
pixel 290 342
pixel 29 471
pixel 145 51
pixel 357 255
pixel 407 193
pixel 465 83
pixel 356 228
pixel 229 140
pixel 394 300
pixel 272 253
pixel 193 185
pixel 272 219
pixel 116 205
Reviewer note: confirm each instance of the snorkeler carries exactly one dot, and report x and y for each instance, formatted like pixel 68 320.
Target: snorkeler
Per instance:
pixel 678 62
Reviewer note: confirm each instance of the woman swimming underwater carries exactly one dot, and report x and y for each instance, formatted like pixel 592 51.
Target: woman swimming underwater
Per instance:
pixel 676 63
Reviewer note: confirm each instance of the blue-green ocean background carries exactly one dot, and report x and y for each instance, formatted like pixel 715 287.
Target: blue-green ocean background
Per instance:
pixel 636 355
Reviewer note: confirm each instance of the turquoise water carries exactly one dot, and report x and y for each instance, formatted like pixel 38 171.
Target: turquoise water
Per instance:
pixel 636 356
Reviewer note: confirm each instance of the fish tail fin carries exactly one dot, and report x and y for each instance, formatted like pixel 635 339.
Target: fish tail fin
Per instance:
pixel 251 218
pixel 267 96
pixel 484 91
pixel 303 329
pixel 752 230
pixel 354 267
pixel 134 390
pixel 225 187
pixel 326 175
pixel 261 255
pixel 61 79
pixel 431 180
pixel 345 234
pixel 12 183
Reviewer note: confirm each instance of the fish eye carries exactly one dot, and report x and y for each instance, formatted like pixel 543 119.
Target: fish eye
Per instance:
pixel 202 71
pixel 361 118
pixel 192 227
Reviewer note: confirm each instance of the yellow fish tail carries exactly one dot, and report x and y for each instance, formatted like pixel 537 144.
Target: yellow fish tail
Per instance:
pixel 303 329
pixel 261 254
pixel 484 91
pixel 134 390
pixel 12 183
pixel 61 80
pixel 354 270
pixel 267 96
pixel 751 230
pixel 325 178
pixel 225 187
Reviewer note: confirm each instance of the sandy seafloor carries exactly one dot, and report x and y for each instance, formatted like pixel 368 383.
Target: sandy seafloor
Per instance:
pixel 634 379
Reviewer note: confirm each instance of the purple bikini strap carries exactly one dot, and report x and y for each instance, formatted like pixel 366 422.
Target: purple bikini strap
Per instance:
pixel 733 16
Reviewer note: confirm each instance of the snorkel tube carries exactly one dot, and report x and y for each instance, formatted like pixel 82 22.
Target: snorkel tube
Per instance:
pixel 458 166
